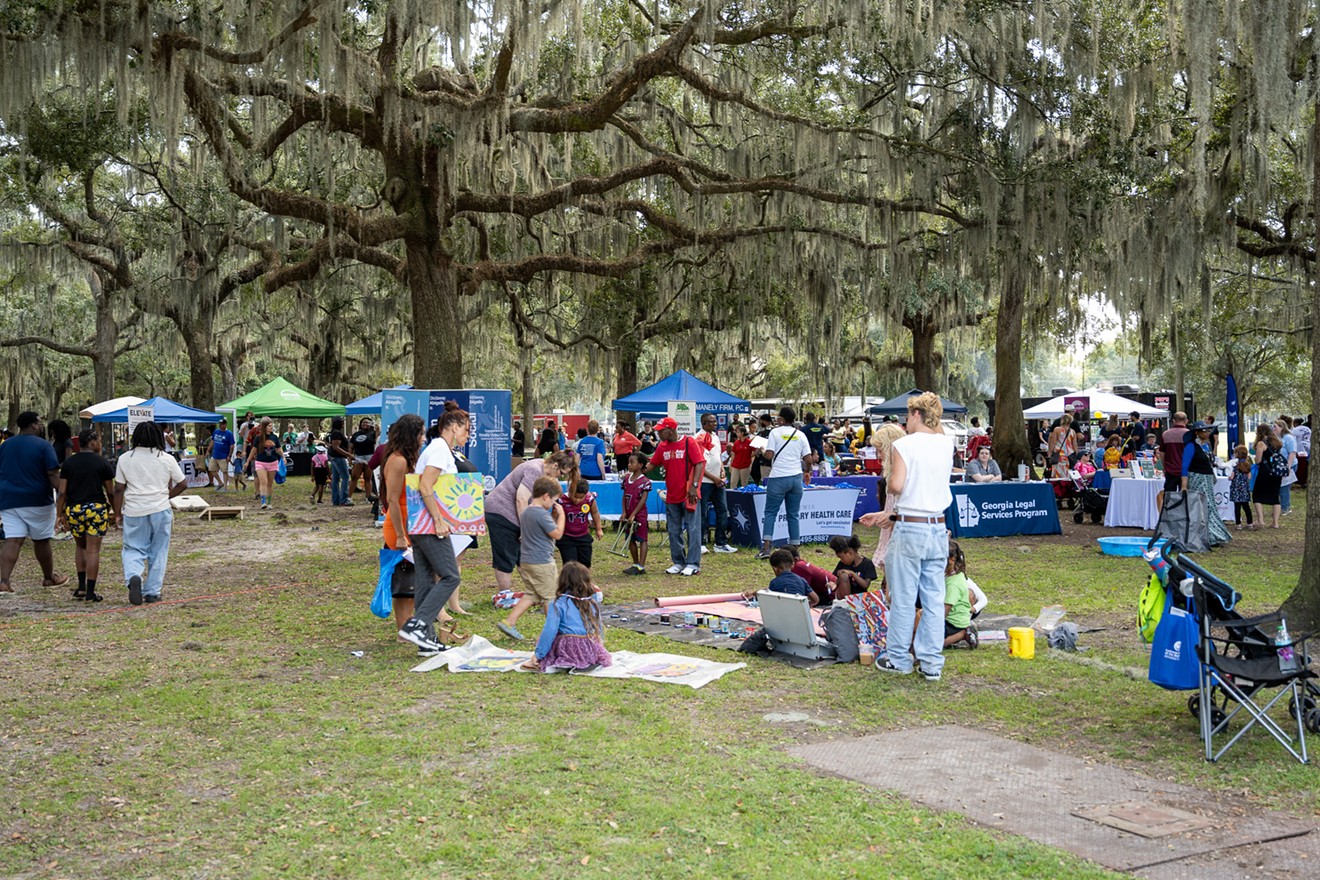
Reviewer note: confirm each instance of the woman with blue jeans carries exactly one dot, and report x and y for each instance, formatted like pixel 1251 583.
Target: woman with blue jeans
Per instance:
pixel 919 547
pixel 789 454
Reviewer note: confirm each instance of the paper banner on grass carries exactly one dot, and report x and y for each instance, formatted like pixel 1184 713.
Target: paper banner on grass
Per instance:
pixel 476 655
pixel 664 669
pixel 461 499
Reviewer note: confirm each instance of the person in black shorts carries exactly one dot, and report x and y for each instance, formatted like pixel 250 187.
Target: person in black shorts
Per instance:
pixel 363 444
pixel 86 483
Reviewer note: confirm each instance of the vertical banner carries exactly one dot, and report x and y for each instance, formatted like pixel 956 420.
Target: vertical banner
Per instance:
pixel 139 414
pixel 685 413
pixel 1234 418
pixel 490 445
pixel 395 402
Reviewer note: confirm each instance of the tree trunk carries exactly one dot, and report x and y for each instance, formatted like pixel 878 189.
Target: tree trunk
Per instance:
pixel 1010 440
pixel 1303 606
pixel 228 376
pixel 1179 404
pixel 526 361
pixel 437 329
pixel 197 344
pixel 923 354
pixel 630 352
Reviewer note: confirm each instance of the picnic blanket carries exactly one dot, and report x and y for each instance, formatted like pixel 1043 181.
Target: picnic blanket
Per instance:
pixel 479 655
pixel 738 610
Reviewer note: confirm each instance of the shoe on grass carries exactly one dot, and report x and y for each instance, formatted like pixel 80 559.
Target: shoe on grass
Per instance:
pixel 725 548
pixel 674 569
pixel 418 633
pixel 882 663
pixel 135 589
pixel 973 638
pixel 510 631
pixel 632 569
pixel 429 652
pixel 689 570
pixel 930 674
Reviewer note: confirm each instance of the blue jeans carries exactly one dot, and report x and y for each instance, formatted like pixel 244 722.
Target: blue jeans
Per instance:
pixel 338 480
pixel 683 522
pixel 785 491
pixel 713 496
pixel 914 567
pixel 147 549
pixel 1285 498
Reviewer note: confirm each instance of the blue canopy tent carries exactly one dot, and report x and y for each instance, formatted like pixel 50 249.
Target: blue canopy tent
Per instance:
pixel 654 401
pixel 369 405
pixel 897 406
pixel 167 412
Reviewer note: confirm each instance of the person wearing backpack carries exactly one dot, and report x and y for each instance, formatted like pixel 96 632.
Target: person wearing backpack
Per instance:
pixel 1271 467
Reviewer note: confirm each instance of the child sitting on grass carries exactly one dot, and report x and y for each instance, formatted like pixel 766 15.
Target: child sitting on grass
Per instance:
pixel 957 603
pixel 820 580
pixel 784 580
pixel 581 516
pixel 855 572
pixel 542 524
pixel 572 635
pixel 636 493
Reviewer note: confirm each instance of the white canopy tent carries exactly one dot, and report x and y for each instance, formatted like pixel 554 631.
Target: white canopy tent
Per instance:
pixel 1099 401
pixel 108 406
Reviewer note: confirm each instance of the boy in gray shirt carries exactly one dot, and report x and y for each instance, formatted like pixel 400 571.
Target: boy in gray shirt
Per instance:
pixel 542 523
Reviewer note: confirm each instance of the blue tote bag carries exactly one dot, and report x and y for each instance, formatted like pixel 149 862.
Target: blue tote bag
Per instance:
pixel 1173 662
pixel 382 602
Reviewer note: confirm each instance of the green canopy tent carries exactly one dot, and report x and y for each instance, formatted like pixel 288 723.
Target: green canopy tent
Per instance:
pixel 280 398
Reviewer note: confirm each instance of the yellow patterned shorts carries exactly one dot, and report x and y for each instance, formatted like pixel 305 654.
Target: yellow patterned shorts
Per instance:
pixel 89 519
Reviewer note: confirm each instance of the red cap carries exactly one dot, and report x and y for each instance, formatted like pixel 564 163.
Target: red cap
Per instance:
pixel 666 423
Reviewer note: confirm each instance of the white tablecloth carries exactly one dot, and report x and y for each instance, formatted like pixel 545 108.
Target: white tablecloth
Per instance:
pixel 1132 502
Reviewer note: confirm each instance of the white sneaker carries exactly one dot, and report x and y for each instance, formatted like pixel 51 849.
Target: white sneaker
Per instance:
pixel 674 569
pixel 690 570
pixel 703 548
pixel 725 548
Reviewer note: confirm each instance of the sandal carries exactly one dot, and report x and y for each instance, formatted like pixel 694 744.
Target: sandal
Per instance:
pixel 57 582
pixel 451 636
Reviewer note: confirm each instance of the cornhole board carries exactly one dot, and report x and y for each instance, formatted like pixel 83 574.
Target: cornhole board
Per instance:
pixel 212 513
pixel 189 503
pixel 790 626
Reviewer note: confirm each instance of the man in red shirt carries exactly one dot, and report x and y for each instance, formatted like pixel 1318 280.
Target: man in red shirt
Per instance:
pixel 1171 452
pixel 683 463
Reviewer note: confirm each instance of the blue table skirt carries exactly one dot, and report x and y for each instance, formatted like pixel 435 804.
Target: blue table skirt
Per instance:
pixel 996 510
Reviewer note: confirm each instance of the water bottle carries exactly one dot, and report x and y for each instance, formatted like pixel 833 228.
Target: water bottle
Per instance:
pixel 1287 659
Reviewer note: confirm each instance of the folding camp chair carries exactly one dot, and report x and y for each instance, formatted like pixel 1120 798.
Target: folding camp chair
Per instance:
pixel 622 537
pixel 1240 665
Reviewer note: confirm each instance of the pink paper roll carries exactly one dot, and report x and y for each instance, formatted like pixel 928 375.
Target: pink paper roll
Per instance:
pixel 671 601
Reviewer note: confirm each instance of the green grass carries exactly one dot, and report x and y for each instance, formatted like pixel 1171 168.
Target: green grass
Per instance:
pixel 237 737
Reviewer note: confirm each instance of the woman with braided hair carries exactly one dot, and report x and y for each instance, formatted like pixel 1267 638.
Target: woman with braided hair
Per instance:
pixel 146 478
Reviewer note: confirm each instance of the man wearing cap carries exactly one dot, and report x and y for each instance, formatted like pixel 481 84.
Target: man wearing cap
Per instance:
pixel 222 448
pixel 87 482
pixel 683 463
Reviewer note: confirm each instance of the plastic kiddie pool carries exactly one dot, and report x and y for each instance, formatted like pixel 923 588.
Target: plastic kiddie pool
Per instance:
pixel 1127 546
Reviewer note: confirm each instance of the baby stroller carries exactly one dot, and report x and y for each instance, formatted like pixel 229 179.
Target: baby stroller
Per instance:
pixel 1090 501
pixel 1241 663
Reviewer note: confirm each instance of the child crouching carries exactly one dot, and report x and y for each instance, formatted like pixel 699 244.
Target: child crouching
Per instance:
pixel 572 637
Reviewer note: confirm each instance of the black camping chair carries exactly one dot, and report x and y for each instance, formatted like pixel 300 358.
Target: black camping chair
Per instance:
pixel 1241 665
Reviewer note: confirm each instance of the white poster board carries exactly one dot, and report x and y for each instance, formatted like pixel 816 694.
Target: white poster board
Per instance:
pixel 139 414
pixel 685 413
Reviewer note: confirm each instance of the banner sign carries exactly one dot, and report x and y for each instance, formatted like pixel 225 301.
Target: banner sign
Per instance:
pixel 1234 416
pixel 824 513
pixel 139 414
pixel 490 445
pixel 460 497
pixel 685 413
pixel 984 510
pixel 1078 407
pixel 397 402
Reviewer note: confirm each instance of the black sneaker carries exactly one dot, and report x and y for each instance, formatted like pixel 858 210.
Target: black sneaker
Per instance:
pixel 882 663
pixel 430 652
pixel 135 590
pixel 930 674
pixel 416 632
pixel 151 600
pixel 973 638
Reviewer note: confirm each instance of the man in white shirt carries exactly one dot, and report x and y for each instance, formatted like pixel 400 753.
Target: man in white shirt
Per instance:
pixel 789 454
pixel 712 486
pixel 919 549
pixel 146 478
